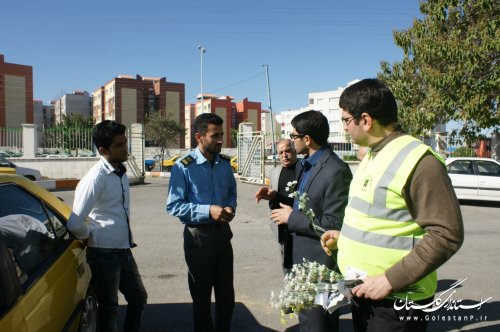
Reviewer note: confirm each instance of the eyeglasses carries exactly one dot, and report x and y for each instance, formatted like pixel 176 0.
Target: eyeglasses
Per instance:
pixel 294 136
pixel 348 120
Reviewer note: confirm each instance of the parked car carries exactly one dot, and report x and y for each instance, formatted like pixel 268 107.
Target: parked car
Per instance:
pixel 475 178
pixel 44 276
pixel 56 156
pixel 169 163
pixel 234 164
pixel 9 154
pixel 149 164
pixel 6 166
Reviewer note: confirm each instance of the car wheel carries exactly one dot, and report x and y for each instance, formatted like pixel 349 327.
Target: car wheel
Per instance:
pixel 30 177
pixel 89 314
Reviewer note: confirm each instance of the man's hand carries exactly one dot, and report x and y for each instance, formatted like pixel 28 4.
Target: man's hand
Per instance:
pixel 374 288
pixel 329 241
pixel 265 193
pixel 280 216
pixel 220 214
pixel 229 210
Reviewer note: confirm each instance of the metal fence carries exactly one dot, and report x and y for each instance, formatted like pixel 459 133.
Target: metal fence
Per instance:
pixel 11 140
pixel 70 141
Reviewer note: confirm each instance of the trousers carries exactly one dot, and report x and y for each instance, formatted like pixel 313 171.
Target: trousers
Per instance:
pixel 209 257
pixel 115 270
pixel 369 315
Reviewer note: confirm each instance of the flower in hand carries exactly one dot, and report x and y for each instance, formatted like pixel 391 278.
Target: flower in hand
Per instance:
pixel 329 241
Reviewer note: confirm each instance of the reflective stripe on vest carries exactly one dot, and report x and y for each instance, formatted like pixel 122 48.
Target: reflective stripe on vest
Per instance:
pixel 379 240
pixel 378 208
pixel 378 230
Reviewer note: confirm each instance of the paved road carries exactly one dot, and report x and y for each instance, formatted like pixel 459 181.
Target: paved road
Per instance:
pixel 257 271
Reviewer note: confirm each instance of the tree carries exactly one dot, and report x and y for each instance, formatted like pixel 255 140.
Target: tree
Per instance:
pixel 450 67
pixel 163 131
pixel 234 137
pixel 72 134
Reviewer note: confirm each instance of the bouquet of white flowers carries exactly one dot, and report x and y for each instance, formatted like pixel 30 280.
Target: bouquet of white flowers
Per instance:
pixel 309 284
pixel 302 200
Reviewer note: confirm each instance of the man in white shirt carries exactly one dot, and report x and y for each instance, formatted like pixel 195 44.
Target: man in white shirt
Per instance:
pixel 103 196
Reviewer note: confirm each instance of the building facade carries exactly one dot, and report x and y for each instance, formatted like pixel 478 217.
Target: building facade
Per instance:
pixel 16 94
pixel 78 102
pixel 233 113
pixel 128 100
pixel 44 115
pixel 327 102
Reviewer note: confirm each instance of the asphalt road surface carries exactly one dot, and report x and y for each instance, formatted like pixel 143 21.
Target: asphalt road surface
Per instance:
pixel 257 268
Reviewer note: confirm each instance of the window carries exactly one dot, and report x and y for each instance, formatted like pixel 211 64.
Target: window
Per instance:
pixel 461 167
pixel 488 168
pixel 32 232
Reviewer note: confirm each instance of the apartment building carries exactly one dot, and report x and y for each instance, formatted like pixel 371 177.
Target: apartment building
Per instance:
pixel 16 94
pixel 268 124
pixel 128 100
pixel 326 102
pixel 233 113
pixel 44 115
pixel 77 102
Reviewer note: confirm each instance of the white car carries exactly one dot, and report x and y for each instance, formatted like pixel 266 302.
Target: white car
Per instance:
pixel 475 178
pixel 29 173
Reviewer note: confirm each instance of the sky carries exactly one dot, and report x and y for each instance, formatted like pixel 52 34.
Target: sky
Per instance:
pixel 309 46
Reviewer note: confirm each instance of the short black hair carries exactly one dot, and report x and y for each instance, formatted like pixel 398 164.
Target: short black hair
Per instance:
pixel 203 120
pixel 105 132
pixel 370 96
pixel 314 124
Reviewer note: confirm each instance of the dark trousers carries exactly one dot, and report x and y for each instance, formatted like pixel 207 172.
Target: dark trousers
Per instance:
pixel 318 319
pixel 209 257
pixel 370 315
pixel 115 270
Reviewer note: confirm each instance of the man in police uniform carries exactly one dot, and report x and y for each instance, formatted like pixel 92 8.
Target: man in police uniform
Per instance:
pixel 402 221
pixel 202 194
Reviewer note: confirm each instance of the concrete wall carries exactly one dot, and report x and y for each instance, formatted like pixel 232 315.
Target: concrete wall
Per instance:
pixel 54 168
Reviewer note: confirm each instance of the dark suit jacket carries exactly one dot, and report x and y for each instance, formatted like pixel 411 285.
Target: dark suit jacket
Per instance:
pixel 328 189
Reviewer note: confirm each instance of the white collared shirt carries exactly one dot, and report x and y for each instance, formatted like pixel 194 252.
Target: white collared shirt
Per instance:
pixel 104 198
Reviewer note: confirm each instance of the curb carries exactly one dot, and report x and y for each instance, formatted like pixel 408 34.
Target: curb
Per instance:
pixel 157 174
pixel 70 184
pixel 167 175
pixel 60 184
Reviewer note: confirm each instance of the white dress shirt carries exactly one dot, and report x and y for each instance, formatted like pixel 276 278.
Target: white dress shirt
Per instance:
pixel 104 197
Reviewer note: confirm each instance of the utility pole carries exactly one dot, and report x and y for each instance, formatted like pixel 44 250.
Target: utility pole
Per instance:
pixel 273 150
pixel 202 51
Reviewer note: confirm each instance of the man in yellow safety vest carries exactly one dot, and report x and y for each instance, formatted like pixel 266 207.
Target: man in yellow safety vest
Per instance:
pixel 402 220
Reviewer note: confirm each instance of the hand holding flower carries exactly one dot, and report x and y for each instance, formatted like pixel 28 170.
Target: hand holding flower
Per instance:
pixel 373 288
pixel 329 241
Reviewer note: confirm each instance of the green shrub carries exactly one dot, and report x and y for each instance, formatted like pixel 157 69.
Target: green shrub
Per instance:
pixel 349 157
pixel 463 152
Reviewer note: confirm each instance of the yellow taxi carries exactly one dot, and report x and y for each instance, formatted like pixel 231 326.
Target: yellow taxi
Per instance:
pixel 44 277
pixel 234 164
pixel 169 163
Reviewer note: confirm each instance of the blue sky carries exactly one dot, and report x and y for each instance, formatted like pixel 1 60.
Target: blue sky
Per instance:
pixel 309 46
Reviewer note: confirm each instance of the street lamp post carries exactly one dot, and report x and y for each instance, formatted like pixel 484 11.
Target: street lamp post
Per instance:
pixel 273 150
pixel 202 51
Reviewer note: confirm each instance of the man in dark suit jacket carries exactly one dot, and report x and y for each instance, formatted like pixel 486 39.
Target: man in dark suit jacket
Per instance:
pixel 325 178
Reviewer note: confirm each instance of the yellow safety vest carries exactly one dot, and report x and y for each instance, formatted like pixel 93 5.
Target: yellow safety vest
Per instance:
pixel 378 230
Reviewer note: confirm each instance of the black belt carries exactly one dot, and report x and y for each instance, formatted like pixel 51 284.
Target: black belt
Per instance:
pixel 115 250
pixel 210 225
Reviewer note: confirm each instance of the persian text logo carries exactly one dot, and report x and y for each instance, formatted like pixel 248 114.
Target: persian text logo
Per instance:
pixel 443 300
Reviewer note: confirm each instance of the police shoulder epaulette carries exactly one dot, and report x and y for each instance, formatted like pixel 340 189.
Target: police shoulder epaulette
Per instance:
pixel 225 157
pixel 187 160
